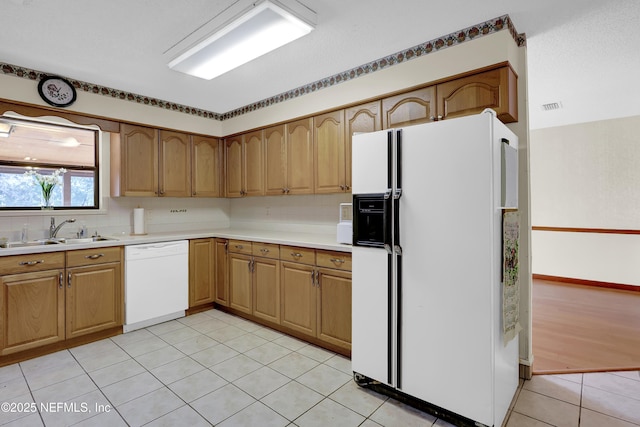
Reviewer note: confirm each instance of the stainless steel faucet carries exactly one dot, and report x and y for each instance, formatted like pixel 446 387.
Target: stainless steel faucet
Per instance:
pixel 53 230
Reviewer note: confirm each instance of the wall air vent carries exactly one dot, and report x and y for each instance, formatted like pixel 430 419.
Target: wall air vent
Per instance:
pixel 551 106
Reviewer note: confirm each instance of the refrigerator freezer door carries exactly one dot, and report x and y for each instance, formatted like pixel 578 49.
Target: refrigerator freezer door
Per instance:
pixel 370 162
pixel 370 273
pixel 370 313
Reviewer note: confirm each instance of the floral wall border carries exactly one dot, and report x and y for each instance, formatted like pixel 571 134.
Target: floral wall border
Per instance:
pixel 492 26
pixel 452 39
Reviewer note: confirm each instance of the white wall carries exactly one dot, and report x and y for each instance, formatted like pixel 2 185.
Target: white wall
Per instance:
pixel 587 176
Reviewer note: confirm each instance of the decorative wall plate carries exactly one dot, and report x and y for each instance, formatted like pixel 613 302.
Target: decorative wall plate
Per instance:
pixel 57 91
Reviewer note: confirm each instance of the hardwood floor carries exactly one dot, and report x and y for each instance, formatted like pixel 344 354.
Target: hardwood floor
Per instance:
pixel 584 328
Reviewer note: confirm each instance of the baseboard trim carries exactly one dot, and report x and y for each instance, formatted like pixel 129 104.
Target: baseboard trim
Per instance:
pixel 609 285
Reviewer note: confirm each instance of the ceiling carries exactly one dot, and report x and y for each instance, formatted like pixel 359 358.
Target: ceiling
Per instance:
pixel 582 54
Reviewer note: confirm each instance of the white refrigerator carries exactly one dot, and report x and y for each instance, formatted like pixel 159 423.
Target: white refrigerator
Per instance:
pixel 427 263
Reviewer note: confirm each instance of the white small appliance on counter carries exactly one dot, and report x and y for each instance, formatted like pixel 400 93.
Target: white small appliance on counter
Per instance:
pixel 345 226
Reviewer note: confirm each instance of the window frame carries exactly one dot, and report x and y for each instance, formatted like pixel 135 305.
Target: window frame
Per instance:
pixel 96 169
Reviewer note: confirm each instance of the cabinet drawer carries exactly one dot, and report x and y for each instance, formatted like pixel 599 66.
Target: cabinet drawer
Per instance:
pixel 267 250
pixel 339 260
pixel 296 254
pixel 240 247
pixel 27 263
pixel 93 256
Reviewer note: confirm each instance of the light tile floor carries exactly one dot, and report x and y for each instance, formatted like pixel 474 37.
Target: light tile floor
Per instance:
pixel 214 368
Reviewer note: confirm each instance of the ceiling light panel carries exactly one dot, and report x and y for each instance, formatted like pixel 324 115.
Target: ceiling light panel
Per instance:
pixel 238 35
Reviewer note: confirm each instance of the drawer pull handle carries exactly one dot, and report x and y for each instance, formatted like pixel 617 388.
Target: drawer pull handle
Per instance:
pixel 337 260
pixel 30 263
pixel 94 256
pixel 296 254
pixel 239 247
pixel 264 250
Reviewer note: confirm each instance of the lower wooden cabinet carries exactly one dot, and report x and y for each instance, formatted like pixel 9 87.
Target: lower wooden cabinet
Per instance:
pixel 93 298
pixel 316 300
pixel 202 273
pixel 298 297
pixel 221 274
pixel 300 289
pixel 266 288
pixel 42 302
pixel 32 310
pixel 334 307
pixel 240 283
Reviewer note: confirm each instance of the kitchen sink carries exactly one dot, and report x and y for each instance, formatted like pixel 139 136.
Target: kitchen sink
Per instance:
pixel 56 241
pixel 69 240
pixel 39 242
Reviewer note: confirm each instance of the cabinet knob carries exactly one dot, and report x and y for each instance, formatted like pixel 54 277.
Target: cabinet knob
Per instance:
pixel 296 254
pixel 284 190
pixel 239 246
pixel 337 260
pixel 264 250
pixel 94 256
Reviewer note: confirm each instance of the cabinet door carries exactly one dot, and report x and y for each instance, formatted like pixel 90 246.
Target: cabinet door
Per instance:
pixel 139 162
pixel 361 118
pixel 206 167
pixel 233 167
pixel 266 289
pixel 298 297
pixel 300 164
pixel 201 271
pixel 409 108
pixel 175 164
pixel 334 307
pixel 496 89
pixel 32 310
pixel 240 289
pixel 329 152
pixel 221 272
pixel 275 160
pixel 94 299
pixel 253 164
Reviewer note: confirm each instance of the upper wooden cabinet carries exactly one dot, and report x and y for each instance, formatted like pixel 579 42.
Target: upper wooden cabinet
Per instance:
pixel 244 155
pixel 146 162
pixel 289 158
pixel 299 155
pixel 410 108
pixel 275 160
pixel 138 159
pixel 496 89
pixel 206 167
pixel 233 167
pixel 175 164
pixel 329 153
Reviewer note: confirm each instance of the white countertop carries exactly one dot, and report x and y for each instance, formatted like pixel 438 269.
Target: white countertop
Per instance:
pixel 309 240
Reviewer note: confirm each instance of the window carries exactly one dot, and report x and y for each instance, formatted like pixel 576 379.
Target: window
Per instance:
pixel 35 154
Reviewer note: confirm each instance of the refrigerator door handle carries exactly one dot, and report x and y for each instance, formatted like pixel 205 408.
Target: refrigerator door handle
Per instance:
pixel 397 249
pixel 397 194
pixel 387 247
pixel 387 194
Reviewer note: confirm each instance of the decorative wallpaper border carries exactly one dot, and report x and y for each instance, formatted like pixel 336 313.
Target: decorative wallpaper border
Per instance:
pixel 489 27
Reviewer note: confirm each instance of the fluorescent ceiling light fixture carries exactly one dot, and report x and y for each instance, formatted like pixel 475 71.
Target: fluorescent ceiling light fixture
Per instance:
pixel 252 31
pixel 5 129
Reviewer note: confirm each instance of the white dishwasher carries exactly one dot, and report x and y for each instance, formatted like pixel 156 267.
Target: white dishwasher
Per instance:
pixel 156 283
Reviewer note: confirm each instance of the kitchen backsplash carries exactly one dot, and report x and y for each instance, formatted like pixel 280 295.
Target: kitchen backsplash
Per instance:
pixel 310 214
